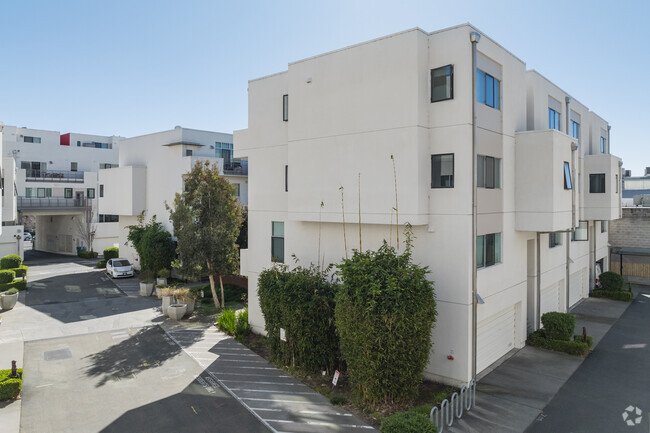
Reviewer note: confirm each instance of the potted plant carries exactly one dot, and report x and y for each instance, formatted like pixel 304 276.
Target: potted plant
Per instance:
pixel 176 311
pixel 146 282
pixel 186 296
pixel 8 299
pixel 163 275
pixel 167 296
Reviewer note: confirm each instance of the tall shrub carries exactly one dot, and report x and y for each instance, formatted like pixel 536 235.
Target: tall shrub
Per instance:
pixel 153 244
pixel 611 281
pixel 558 326
pixel 384 314
pixel 111 253
pixel 11 261
pixel 300 301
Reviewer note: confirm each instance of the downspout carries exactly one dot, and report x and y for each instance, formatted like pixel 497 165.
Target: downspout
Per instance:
pixel 567 283
pixel 620 189
pixel 609 128
pixel 538 311
pixel 474 37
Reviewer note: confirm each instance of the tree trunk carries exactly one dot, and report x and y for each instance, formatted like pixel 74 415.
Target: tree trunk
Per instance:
pixel 214 292
pixel 223 300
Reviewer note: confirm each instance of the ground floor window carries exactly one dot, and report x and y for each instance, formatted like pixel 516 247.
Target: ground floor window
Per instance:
pixel 488 250
pixel 277 242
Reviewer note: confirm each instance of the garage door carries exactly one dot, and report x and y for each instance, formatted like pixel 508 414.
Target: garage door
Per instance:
pixel 495 337
pixel 576 288
pixel 551 298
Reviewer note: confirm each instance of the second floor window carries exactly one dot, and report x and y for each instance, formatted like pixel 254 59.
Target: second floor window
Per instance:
pixel 553 119
pixel 488 250
pixel 91 192
pixel 575 130
pixel 442 171
pixel 442 83
pixel 581 232
pixel 67 193
pixel 488 172
pixel 488 90
pixel 597 183
pixel 603 144
pixel 27 139
pixel 567 176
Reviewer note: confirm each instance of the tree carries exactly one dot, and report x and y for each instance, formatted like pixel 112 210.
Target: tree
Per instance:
pixel 86 227
pixel 206 219
pixel 153 244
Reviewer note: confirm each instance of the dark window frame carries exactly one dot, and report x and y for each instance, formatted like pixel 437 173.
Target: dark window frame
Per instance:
pixel 553 119
pixel 438 174
pixel 286 178
pixel 489 91
pixel 490 253
pixel 67 193
pixel 449 72
pixel 277 242
pixel 90 192
pixel 597 181
pixel 101 190
pixel 585 230
pixel 568 182
pixel 285 108
pixel 554 239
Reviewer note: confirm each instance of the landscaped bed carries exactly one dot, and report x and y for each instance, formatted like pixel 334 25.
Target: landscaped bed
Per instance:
pixel 10 387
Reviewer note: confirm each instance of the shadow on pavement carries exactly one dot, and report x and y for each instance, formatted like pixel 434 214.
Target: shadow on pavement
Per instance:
pixel 70 288
pixel 33 258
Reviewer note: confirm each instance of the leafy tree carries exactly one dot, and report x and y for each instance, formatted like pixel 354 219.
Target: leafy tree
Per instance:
pixel 206 219
pixel 86 228
pixel 153 244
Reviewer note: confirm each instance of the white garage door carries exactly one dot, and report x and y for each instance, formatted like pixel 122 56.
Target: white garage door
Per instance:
pixel 495 337
pixel 551 298
pixel 576 288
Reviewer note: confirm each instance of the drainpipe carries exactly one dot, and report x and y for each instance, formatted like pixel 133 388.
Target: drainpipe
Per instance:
pixel 609 128
pixel 574 147
pixel 538 318
pixel 474 37
pixel 620 189
pixel 567 99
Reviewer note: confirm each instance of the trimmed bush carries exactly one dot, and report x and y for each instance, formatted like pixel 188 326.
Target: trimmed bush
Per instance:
pixel 227 321
pixel 20 271
pixel 11 261
pixel 16 284
pixel 301 302
pixel 111 253
pixel 558 326
pixel 611 281
pixel 10 388
pixel 407 422
pixel 590 340
pixel 385 311
pixel 578 348
pixel 7 276
pixel 101 264
pixel 88 254
pixel 164 273
pixel 617 295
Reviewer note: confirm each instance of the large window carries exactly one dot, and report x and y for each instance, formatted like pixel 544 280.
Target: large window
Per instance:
pixel 105 218
pixel 575 130
pixel 442 171
pixel 553 119
pixel 567 176
pixel 581 232
pixel 442 83
pixel 285 107
pixel 488 250
pixel 554 240
pixel 38 192
pixel 27 139
pixel 488 89
pixel 597 183
pixel 488 172
pixel 277 242
pixel 225 151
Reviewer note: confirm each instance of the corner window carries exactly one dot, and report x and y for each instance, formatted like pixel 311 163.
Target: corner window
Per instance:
pixel 442 171
pixel 67 193
pixel 488 172
pixel 581 232
pixel 101 190
pixel 604 226
pixel 285 107
pixel 277 242
pixel 575 130
pixel 567 176
pixel 442 83
pixel 553 119
pixel 90 192
pixel 488 250
pixel 554 240
pixel 488 89
pixel 597 183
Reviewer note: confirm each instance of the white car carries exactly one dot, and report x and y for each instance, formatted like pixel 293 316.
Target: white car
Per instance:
pixel 119 268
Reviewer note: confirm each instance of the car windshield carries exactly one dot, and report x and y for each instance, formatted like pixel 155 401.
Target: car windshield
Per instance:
pixel 121 263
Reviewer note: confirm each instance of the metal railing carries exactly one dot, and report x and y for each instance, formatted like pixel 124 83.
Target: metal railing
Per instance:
pixel 51 202
pixel 36 175
pixel 463 400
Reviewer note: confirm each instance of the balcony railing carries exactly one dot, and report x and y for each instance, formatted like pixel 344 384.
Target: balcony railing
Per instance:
pixel 51 203
pixel 36 175
pixel 236 168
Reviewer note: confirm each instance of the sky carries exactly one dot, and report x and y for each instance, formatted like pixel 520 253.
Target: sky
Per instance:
pixel 139 66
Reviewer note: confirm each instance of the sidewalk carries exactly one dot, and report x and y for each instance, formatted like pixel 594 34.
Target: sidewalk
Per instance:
pixel 513 394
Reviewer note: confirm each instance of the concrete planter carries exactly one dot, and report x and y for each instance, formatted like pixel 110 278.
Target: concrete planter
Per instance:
pixel 190 307
pixel 146 289
pixel 166 302
pixel 8 301
pixel 176 311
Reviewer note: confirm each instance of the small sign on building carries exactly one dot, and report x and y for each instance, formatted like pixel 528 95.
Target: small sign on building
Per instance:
pixel 283 335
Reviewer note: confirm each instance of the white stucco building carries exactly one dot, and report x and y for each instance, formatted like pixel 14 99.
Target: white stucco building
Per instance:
pixel 150 174
pixel 546 185
pixel 53 177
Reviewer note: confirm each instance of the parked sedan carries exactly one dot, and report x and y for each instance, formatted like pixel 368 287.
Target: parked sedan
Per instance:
pixel 119 268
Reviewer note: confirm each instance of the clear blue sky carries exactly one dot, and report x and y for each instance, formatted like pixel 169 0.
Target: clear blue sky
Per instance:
pixel 140 66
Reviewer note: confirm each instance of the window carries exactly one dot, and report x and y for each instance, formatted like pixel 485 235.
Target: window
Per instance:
pixel 188 152
pixel 617 184
pixel 567 176
pixel 101 190
pixel 90 192
pixel 554 240
pixel 603 144
pixel 67 193
pixel 581 232
pixel 575 130
pixel 73 166
pixel 597 183
pixel 27 139
pixel 442 171
pixel 286 178
pixel 225 151
pixel 604 226
pixel 285 107
pixel 442 83
pixel 487 89
pixel 104 218
pixel 277 242
pixel 78 143
pixel 553 119
pixel 488 172
pixel 43 192
pixel 488 250
pixel 105 165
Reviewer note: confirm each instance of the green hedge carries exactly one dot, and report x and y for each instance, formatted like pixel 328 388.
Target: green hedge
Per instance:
pixel 577 348
pixel 407 422
pixel 10 388
pixel 617 295
pixel 11 261
pixel 385 311
pixel 590 339
pixel 88 254
pixel 7 276
pixel 16 284
pixel 111 253
pixel 558 326
pixel 611 281
pixel 20 271
pixel 301 302
pixel 101 264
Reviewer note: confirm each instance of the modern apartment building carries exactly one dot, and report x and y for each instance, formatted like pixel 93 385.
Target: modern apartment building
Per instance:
pixel 522 237
pixel 53 177
pixel 150 174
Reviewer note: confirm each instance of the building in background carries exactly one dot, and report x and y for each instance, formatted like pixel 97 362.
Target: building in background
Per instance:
pixel 546 185
pixel 636 189
pixel 150 174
